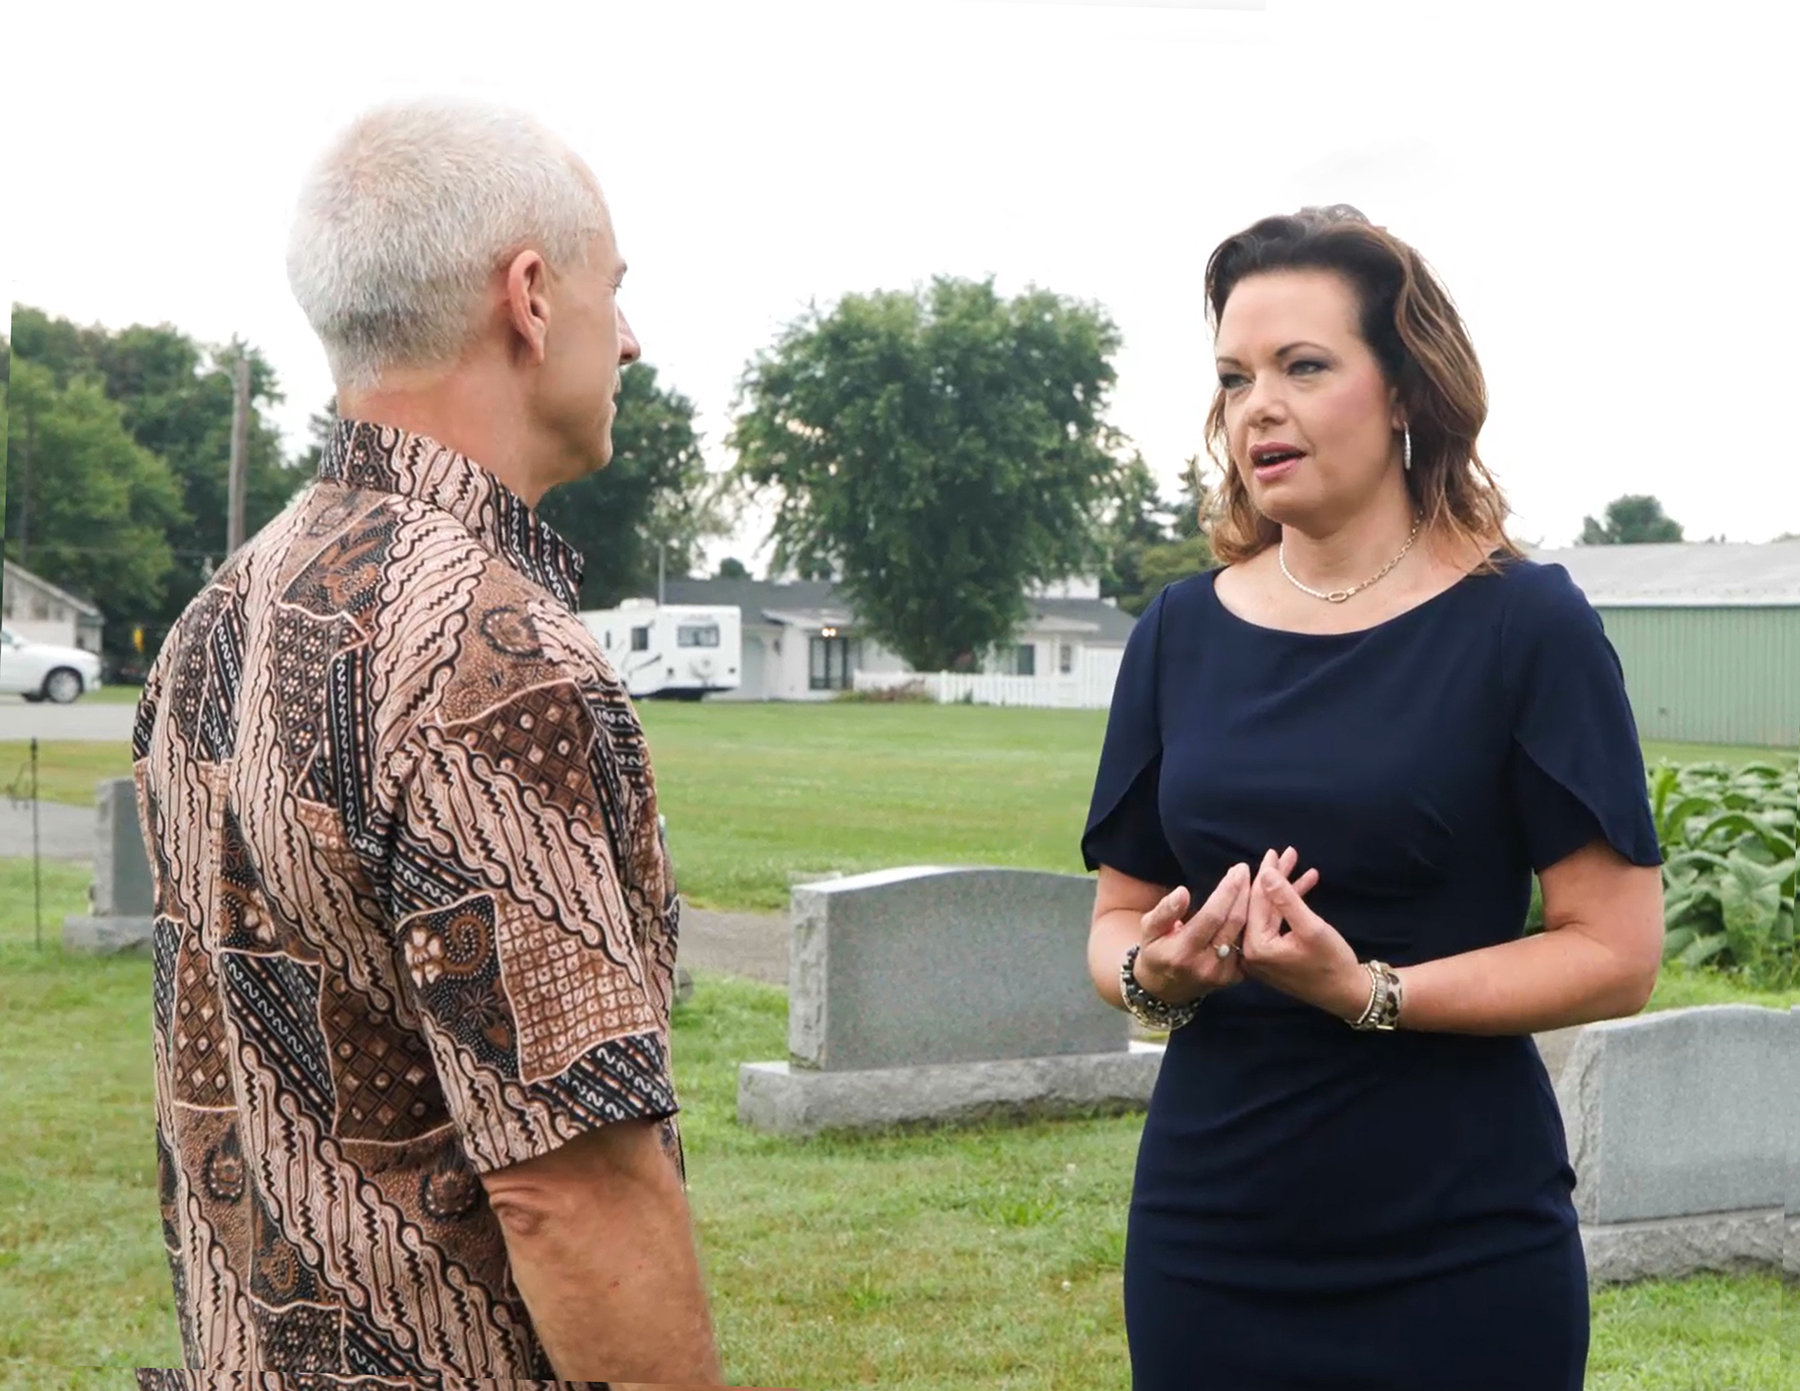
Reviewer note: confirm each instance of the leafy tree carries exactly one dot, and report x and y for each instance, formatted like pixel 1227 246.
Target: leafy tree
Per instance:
pixel 655 491
pixel 937 453
pixel 1163 565
pixel 731 568
pixel 1136 518
pixel 175 399
pixel 87 507
pixel 1191 500
pixel 1632 519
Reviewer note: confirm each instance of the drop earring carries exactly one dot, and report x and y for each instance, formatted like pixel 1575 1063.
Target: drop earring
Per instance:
pixel 1406 446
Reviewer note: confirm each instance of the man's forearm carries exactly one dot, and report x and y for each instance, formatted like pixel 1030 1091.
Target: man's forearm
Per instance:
pixel 611 1276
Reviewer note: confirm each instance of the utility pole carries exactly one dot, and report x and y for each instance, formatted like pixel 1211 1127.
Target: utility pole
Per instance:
pixel 240 450
pixel 25 500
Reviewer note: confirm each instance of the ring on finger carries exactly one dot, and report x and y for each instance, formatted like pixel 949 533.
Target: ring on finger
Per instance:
pixel 1224 950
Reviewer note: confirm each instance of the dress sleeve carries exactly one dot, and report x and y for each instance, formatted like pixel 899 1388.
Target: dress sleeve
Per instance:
pixel 1124 827
pixel 1577 770
pixel 544 1012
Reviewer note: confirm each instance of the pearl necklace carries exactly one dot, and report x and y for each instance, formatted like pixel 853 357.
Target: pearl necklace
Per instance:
pixel 1338 596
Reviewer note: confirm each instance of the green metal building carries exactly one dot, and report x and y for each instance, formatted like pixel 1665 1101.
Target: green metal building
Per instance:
pixel 1708 634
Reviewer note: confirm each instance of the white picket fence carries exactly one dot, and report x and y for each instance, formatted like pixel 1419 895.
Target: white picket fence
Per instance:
pixel 1088 687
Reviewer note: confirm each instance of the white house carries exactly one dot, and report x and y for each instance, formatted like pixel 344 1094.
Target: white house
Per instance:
pixel 802 640
pixel 39 611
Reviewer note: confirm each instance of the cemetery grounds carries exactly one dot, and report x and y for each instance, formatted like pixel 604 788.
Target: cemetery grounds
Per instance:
pixel 978 1257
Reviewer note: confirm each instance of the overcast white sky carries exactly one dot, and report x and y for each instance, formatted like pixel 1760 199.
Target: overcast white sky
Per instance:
pixel 1596 183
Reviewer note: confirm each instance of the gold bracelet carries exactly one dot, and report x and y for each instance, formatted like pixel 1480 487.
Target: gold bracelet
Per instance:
pixel 1383 1010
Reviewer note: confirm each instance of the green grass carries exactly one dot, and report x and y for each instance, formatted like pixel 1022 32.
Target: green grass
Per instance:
pixel 756 794
pixel 925 1262
pixel 1679 987
pixel 114 695
pixel 67 768
pixel 82 1274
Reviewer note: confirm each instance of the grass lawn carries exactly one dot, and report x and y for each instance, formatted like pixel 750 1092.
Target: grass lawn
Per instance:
pixel 985 1257
pixel 758 793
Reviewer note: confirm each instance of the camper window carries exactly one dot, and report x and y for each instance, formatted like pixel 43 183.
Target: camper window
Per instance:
pixel 640 639
pixel 697 635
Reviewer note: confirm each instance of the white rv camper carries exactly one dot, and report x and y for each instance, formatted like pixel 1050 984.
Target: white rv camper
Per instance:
pixel 671 651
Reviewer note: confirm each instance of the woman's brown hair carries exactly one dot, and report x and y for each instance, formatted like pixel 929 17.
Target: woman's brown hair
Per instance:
pixel 1409 322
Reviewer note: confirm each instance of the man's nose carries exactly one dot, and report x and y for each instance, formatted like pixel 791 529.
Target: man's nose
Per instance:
pixel 629 348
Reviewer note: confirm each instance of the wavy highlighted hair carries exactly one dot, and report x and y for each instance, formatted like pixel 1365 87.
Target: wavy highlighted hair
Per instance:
pixel 1409 322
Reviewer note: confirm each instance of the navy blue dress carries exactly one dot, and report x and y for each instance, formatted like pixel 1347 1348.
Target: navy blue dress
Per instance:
pixel 1316 1207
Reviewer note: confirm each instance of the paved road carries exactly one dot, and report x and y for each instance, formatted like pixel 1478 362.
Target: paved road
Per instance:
pixel 89 721
pixel 64 833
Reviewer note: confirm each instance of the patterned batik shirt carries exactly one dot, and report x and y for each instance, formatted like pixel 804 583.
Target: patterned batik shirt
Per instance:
pixel 414 922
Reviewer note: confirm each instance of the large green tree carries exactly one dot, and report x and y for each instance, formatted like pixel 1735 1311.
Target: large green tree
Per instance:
pixel 87 506
pixel 175 399
pixel 1630 520
pixel 656 493
pixel 937 453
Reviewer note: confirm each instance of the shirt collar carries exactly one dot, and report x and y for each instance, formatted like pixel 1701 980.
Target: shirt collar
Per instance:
pixel 359 454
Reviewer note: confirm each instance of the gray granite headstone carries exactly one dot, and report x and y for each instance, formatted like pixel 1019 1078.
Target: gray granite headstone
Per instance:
pixel 1678 1113
pixel 921 966
pixel 1790 1099
pixel 1681 1130
pixel 931 995
pixel 123 893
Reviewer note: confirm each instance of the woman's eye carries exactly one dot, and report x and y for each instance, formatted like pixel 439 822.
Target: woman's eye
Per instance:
pixel 1231 381
pixel 1307 365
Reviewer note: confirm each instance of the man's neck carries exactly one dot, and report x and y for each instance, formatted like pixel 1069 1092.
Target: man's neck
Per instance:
pixel 462 411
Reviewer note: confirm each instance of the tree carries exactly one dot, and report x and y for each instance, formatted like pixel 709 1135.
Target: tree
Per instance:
pixel 87 507
pixel 731 568
pixel 175 400
pixel 1136 519
pixel 1630 520
pixel 937 453
pixel 655 492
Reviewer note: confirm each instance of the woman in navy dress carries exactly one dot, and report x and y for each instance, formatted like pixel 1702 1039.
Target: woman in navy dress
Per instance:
pixel 1330 770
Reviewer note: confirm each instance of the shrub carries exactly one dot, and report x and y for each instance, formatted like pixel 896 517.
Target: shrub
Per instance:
pixel 1730 868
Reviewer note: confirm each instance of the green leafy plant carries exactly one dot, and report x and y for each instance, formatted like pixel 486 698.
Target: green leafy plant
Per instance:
pixel 1730 867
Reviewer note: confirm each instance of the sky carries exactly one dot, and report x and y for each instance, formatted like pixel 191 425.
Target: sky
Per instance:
pixel 1592 182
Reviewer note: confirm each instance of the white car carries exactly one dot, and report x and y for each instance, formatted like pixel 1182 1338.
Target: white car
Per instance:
pixel 45 670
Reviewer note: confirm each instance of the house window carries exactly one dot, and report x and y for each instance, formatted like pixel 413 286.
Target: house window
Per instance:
pixel 829 664
pixel 697 635
pixel 640 639
pixel 1017 661
pixel 1065 657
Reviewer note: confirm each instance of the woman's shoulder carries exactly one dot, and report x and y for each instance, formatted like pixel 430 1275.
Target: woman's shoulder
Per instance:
pixel 1537 595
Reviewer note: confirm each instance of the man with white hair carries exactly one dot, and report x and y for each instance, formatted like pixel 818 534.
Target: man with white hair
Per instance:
pixel 415 925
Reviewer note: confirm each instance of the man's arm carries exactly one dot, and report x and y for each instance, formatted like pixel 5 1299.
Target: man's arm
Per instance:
pixel 602 1250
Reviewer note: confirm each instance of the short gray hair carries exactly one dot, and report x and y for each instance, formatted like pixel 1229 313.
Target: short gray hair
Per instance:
pixel 408 213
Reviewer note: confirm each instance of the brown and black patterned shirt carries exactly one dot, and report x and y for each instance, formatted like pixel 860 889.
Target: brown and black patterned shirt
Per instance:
pixel 414 921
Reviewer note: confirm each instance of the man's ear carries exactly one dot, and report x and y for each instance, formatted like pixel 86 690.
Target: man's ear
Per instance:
pixel 528 303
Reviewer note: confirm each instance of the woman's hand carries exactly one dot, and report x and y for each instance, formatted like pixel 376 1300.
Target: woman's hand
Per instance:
pixel 1311 961
pixel 1178 962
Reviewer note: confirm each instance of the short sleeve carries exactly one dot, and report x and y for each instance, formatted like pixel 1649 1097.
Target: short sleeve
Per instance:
pixel 544 1011
pixel 1124 827
pixel 1577 769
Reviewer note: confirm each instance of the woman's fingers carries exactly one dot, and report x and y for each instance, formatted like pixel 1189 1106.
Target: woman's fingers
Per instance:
pixel 1166 916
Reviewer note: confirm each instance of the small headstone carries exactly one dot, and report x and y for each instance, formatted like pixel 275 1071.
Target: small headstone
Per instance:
pixel 1680 1129
pixel 928 994
pixel 123 894
pixel 911 967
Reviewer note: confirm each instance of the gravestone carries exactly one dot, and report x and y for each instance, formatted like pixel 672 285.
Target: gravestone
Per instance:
pixel 930 994
pixel 123 893
pixel 1680 1128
